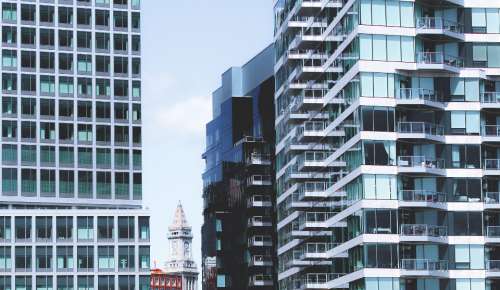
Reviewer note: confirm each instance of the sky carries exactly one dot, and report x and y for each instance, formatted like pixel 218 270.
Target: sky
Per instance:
pixel 186 46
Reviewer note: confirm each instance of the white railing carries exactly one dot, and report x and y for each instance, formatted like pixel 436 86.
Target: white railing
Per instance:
pixel 418 94
pixel 439 23
pixel 422 195
pixel 420 230
pixel 420 128
pixel 429 57
pixel 424 265
pixel 420 161
pixel 490 97
pixel 490 131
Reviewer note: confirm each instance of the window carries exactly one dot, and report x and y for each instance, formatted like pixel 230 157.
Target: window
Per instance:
pixel 43 258
pixel 122 185
pixel 85 133
pixel 126 228
pixel 144 260
pixel 66 39
pixel 102 41
pixel 85 258
pixel 9 12
pixel 106 258
pixel 28 182
pixel 66 85
pixel 65 15
pixel 103 88
pixel 5 263
pixel 64 257
pixel 105 225
pixel 103 134
pixel 85 228
pixel 121 65
pixel 84 39
pixel 103 186
pixel 9 154
pixel 23 258
pixel 65 283
pixel 23 283
pixel 66 132
pixel 47 14
pixel 103 157
pixel 64 228
pixel 84 157
pixel 102 16
pixel 85 184
pixel 43 228
pixel 9 58
pixel 84 63
pixel 47 37
pixel 9 129
pixel 66 182
pixel 47 131
pixel 28 84
pixel 126 282
pixel 469 257
pixel 28 36
pixel 9 181
pixel 84 16
pixel 126 258
pixel 144 228
pixel 47 60
pixel 464 122
pixel 85 282
pixel 66 109
pixel 65 62
pixel 28 130
pixel 120 19
pixel 48 182
pixel 47 85
pixel 106 282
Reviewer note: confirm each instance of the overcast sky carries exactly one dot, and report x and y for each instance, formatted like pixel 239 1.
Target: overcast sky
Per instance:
pixel 186 45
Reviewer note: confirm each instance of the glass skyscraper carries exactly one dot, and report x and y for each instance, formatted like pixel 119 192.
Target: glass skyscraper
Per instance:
pixel 70 205
pixel 387 144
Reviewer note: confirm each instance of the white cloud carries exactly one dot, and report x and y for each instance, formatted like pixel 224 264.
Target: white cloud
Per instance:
pixel 186 117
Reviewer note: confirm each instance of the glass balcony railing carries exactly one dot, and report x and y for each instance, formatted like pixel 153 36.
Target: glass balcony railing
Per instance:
pixel 490 97
pixel 493 265
pixel 420 161
pixel 491 131
pixel 418 94
pixel 420 128
pixel 421 230
pixel 493 231
pixel 424 265
pixel 492 164
pixel 422 196
pixel 439 23
pixel 492 197
pixel 434 57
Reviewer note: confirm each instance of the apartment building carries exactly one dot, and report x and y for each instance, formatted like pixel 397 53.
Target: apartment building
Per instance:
pixel 238 234
pixel 70 204
pixel 387 144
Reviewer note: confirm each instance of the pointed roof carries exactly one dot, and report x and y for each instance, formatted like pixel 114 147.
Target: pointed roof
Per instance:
pixel 180 221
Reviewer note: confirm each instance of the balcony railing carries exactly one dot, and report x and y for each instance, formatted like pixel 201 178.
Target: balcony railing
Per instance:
pixel 418 94
pixel 491 131
pixel 424 265
pixel 421 230
pixel 439 23
pixel 490 97
pixel 493 231
pixel 420 161
pixel 492 197
pixel 429 57
pixel 422 196
pixel 420 128
pixel 259 158
pixel 493 265
pixel 492 164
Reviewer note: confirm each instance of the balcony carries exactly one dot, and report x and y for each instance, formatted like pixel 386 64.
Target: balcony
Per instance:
pixel 314 281
pixel 312 159
pixel 314 220
pixel 313 251
pixel 419 164
pixel 260 180
pixel 424 265
pixel 423 230
pixel 421 195
pixel 439 28
pixel 492 166
pixel 313 189
pixel 259 201
pixel 260 221
pixel 490 99
pixel 493 231
pixel 260 280
pixel 438 61
pixel 491 133
pixel 419 128
pixel 493 265
pixel 260 241
pixel 261 260
pixel 259 159
pixel 492 197
pixel 417 96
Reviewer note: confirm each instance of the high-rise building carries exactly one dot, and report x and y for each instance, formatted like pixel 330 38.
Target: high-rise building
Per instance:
pixel 387 144
pixel 71 213
pixel 180 261
pixel 238 234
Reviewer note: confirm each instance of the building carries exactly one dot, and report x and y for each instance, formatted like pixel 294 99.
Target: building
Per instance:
pixel 160 280
pixel 180 262
pixel 387 144
pixel 70 203
pixel 238 234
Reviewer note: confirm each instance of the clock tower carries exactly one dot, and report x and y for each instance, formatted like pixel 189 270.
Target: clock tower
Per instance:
pixel 180 259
